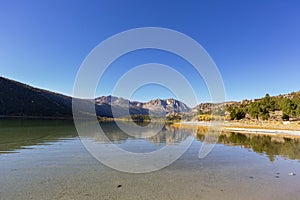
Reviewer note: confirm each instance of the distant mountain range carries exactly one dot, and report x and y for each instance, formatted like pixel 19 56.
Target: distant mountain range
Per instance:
pixel 156 107
pixel 21 100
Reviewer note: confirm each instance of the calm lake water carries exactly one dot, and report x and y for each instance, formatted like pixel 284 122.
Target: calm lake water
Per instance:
pixel 46 160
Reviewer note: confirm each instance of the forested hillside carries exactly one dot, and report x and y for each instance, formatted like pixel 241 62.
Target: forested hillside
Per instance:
pixel 283 107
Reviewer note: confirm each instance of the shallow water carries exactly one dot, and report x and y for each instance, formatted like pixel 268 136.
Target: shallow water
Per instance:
pixel 47 160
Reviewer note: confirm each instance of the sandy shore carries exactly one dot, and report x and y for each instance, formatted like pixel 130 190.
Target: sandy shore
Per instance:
pixel 271 128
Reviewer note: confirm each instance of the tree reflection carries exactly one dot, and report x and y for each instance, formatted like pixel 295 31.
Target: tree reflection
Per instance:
pixel 272 146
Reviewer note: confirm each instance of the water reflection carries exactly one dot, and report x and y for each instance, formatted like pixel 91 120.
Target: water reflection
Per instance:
pixel 272 146
pixel 20 134
pixel 167 135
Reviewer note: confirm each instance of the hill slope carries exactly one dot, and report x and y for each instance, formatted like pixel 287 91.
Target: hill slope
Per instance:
pixel 21 100
pixel 17 99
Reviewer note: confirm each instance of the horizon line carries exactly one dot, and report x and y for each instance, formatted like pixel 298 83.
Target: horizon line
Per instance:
pixel 132 100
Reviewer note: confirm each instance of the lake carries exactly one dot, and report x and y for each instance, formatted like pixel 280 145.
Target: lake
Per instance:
pixel 45 159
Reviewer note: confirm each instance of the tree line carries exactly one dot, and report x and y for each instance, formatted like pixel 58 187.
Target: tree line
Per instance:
pixel 289 105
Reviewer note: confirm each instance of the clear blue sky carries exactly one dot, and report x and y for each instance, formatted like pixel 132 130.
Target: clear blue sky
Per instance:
pixel 255 44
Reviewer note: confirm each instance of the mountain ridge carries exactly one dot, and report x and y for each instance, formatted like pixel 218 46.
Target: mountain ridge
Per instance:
pixel 156 106
pixel 21 100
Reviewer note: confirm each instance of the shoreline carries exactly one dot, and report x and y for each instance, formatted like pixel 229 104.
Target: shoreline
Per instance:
pixel 266 129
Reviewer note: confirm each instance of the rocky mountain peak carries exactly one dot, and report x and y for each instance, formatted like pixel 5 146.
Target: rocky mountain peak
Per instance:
pixel 155 106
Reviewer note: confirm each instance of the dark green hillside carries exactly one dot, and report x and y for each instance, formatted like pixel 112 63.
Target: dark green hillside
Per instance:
pixel 17 99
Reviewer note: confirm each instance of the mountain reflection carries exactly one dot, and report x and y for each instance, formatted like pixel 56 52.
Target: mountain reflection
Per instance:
pixel 20 134
pixel 170 135
pixel 167 134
